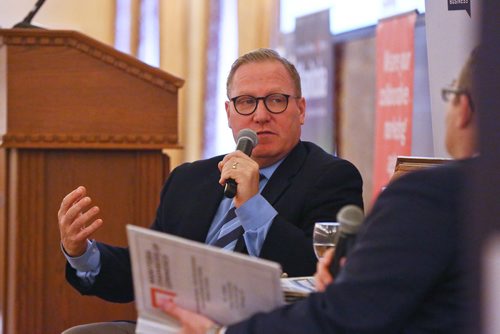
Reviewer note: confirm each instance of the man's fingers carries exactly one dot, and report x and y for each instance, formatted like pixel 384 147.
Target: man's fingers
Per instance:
pixel 70 199
pixel 84 218
pixel 324 262
pixel 184 316
pixel 76 211
pixel 320 283
pixel 322 276
pixel 86 231
pixel 171 309
pixel 317 282
pixel 191 322
pixel 328 256
pixel 78 220
pixel 74 240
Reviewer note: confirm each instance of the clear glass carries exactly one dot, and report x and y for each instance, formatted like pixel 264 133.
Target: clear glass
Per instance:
pixel 325 236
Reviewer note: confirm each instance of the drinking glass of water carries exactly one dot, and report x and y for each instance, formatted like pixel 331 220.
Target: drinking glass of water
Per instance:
pixel 325 236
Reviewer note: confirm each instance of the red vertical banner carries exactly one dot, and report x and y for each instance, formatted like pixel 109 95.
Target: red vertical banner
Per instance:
pixel 394 108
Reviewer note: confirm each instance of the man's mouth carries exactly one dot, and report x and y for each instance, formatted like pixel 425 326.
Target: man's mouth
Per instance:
pixel 264 133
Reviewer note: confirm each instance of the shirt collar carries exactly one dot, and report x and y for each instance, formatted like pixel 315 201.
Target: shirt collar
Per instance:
pixel 269 170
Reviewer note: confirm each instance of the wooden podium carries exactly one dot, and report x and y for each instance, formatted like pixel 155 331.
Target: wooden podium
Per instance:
pixel 73 111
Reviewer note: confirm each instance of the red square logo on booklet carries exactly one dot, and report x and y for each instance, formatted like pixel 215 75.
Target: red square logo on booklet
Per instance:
pixel 159 296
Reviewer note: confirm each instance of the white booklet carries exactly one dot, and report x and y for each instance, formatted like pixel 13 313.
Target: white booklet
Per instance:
pixel 225 286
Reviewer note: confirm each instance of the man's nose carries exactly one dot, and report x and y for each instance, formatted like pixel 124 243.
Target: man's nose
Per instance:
pixel 261 113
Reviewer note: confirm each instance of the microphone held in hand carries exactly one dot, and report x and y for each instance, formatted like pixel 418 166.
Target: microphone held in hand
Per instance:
pixel 246 141
pixel 350 218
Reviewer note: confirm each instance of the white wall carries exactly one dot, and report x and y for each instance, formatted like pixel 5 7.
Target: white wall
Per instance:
pixel 451 35
pixel 92 17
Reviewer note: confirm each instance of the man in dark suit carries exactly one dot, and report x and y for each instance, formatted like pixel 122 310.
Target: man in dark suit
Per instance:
pixel 405 274
pixel 282 189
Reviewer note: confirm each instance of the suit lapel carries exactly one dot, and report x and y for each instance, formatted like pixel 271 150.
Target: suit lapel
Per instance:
pixel 197 222
pixel 199 219
pixel 282 177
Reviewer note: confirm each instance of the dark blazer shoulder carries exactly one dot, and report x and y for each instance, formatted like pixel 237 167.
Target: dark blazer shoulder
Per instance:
pixel 315 157
pixel 195 168
pixel 443 182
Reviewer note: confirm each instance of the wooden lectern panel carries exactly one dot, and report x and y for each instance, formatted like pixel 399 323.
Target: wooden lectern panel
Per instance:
pixel 73 111
pixel 126 186
pixel 67 90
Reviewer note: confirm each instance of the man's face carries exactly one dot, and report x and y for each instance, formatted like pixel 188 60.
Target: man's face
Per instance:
pixel 457 122
pixel 452 110
pixel 277 133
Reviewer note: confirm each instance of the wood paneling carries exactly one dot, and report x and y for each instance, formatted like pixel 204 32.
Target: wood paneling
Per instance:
pixel 66 90
pixel 78 113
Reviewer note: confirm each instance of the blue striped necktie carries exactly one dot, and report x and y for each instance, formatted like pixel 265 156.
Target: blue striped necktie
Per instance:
pixel 231 232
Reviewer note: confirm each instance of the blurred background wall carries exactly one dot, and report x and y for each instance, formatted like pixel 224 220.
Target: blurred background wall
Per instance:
pixel 197 40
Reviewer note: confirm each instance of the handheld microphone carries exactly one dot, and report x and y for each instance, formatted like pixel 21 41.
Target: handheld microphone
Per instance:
pixel 247 140
pixel 350 218
pixel 26 23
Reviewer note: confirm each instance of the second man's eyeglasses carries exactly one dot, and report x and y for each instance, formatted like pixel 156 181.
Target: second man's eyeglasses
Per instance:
pixel 447 93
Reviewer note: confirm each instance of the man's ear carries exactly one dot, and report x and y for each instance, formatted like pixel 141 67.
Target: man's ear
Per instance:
pixel 227 106
pixel 302 110
pixel 465 112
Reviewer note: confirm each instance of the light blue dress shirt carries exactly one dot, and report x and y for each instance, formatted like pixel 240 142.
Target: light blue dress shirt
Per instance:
pixel 255 215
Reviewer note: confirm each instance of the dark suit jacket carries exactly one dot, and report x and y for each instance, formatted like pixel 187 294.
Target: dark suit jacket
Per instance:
pixel 403 275
pixel 310 185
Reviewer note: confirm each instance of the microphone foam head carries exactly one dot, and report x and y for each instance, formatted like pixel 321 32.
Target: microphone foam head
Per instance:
pixel 248 134
pixel 350 218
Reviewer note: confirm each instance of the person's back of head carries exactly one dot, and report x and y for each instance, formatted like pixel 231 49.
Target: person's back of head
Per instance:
pixel 461 117
pixel 466 79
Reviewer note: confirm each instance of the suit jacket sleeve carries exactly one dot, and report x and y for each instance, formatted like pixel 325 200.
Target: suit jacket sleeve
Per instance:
pixel 402 274
pixel 114 281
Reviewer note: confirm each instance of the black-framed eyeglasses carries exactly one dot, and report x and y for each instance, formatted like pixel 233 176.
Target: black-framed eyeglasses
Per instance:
pixel 448 93
pixel 275 103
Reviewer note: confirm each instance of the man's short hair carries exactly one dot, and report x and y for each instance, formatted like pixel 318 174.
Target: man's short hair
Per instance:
pixel 468 74
pixel 260 55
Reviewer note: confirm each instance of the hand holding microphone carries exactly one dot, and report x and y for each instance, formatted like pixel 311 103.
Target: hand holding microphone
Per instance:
pixel 246 141
pixel 350 218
